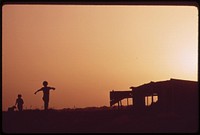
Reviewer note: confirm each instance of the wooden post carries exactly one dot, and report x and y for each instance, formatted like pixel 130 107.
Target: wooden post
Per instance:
pixel 118 104
pixel 147 100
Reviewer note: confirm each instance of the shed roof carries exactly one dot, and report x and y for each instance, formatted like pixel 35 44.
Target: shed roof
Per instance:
pixel 184 85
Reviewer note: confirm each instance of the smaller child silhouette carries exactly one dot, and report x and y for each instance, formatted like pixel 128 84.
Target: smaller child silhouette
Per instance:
pixel 19 102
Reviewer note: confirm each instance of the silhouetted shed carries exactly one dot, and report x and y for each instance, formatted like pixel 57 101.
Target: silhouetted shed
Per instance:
pixel 117 96
pixel 169 95
pixel 172 94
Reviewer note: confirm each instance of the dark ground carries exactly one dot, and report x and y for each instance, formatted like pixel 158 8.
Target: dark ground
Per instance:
pixel 98 121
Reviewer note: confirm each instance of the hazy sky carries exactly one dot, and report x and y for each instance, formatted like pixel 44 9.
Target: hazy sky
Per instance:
pixel 85 51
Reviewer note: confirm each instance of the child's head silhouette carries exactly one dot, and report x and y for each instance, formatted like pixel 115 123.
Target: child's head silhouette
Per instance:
pixel 45 83
pixel 19 95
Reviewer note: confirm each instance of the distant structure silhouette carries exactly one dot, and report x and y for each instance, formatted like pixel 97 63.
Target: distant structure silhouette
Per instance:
pixel 19 102
pixel 45 97
pixel 172 95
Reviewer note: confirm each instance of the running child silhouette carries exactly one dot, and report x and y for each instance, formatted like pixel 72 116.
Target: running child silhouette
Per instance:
pixel 45 97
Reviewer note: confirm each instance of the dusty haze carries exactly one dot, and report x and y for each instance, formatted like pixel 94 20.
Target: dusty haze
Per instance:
pixel 84 51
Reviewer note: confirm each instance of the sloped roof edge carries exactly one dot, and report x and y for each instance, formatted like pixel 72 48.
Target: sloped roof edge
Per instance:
pixel 165 81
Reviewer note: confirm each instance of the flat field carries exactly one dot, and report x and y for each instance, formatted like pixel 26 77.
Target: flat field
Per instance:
pixel 98 121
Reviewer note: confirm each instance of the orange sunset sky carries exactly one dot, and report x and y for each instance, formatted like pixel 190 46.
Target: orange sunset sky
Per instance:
pixel 85 51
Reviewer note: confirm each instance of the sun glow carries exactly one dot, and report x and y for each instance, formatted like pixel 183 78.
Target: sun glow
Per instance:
pixel 187 61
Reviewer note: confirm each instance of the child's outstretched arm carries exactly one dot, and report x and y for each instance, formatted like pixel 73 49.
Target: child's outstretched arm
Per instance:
pixel 53 88
pixel 38 91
